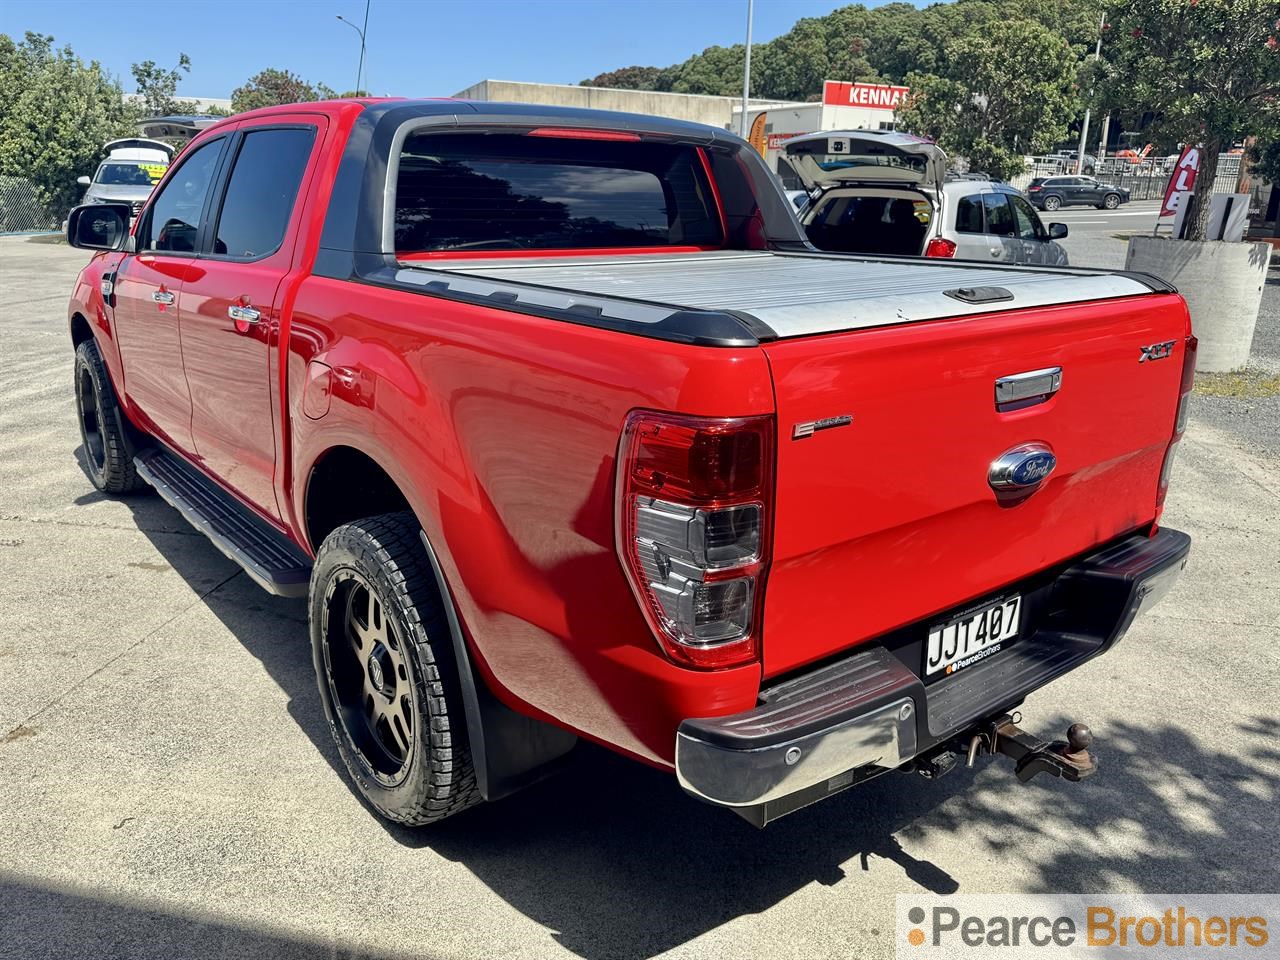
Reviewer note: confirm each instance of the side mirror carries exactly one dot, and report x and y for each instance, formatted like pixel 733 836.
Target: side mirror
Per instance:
pixel 99 226
pixel 83 181
pixel 1057 231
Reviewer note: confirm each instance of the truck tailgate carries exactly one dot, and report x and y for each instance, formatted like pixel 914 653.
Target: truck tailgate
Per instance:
pixel 891 519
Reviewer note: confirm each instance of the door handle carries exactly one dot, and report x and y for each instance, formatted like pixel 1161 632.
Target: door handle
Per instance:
pixel 162 296
pixel 243 314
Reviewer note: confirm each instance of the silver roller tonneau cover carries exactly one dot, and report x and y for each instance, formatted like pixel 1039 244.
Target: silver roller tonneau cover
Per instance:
pixel 793 294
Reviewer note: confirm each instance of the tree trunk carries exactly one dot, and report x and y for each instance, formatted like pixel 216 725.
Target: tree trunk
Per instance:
pixel 1203 192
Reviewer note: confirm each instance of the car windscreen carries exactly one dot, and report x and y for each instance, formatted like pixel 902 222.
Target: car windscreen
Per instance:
pixel 512 192
pixel 131 174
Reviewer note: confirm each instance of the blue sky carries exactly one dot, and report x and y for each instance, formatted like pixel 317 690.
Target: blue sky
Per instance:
pixel 415 47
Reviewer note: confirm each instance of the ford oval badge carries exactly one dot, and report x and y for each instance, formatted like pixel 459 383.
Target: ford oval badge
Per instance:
pixel 1022 467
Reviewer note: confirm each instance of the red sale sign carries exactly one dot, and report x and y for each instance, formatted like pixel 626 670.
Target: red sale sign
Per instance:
pixel 877 96
pixel 1182 179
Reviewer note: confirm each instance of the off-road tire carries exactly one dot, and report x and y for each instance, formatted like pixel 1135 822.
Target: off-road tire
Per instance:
pixel 383 555
pixel 109 443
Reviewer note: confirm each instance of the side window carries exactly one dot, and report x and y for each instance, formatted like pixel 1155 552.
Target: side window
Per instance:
pixel 969 214
pixel 1029 225
pixel 175 215
pixel 999 216
pixel 260 193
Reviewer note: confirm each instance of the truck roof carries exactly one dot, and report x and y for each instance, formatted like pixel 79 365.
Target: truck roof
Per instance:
pixel 442 106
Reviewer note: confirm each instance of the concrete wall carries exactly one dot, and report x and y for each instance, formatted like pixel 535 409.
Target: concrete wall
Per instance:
pixel 715 111
pixel 1222 284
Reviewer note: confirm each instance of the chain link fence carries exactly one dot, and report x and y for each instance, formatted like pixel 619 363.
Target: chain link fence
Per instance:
pixel 21 211
pixel 1144 181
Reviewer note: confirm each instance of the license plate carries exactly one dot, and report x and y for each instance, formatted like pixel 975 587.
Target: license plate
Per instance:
pixel 973 637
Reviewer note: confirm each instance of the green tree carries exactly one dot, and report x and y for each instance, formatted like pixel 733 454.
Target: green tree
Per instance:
pixel 856 43
pixel 272 87
pixel 158 88
pixel 1210 68
pixel 56 112
pixel 1005 91
pixel 625 78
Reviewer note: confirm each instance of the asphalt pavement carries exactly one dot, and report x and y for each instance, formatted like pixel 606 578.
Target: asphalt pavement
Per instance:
pixel 168 788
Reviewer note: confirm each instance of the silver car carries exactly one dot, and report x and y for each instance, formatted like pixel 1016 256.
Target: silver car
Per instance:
pixel 130 171
pixel 886 193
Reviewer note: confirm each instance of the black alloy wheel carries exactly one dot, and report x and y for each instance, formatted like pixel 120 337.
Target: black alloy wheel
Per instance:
pixel 368 678
pixel 90 421
pixel 386 671
pixel 109 443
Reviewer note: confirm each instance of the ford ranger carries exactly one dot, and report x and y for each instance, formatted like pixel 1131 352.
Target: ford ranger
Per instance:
pixel 565 431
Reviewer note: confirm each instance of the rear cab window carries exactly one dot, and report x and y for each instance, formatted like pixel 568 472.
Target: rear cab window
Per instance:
pixel 496 192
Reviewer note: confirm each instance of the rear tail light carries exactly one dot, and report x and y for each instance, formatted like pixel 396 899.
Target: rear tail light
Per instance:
pixel 693 515
pixel 1191 347
pixel 941 248
pixel 1033 189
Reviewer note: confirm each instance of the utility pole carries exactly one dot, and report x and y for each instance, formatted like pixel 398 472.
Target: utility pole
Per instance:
pixel 746 74
pixel 361 31
pixel 1084 128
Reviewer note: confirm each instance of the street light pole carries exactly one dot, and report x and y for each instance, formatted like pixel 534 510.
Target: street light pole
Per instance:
pixel 361 31
pixel 746 73
pixel 1084 127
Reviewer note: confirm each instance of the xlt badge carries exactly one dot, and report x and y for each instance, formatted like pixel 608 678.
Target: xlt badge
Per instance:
pixel 1156 351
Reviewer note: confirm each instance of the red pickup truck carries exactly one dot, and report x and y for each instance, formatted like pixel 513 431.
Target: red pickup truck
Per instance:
pixel 566 431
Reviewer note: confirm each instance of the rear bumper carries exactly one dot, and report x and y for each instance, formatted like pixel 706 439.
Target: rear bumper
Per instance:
pixel 817 733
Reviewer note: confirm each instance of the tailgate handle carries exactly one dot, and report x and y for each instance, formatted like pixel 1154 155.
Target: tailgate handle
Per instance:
pixel 1025 389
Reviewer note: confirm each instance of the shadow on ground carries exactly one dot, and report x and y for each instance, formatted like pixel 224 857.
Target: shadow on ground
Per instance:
pixel 76 924
pixel 617 862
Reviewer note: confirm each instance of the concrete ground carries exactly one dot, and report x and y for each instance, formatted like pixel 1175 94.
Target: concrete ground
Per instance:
pixel 168 788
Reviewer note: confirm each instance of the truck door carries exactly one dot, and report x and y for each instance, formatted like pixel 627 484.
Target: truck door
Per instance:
pixel 230 307
pixel 148 286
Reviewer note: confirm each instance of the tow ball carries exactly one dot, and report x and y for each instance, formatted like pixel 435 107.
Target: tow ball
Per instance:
pixel 1069 759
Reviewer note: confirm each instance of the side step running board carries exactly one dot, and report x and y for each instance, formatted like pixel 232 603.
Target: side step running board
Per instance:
pixel 275 564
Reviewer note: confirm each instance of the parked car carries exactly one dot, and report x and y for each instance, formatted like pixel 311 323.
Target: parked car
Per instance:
pixel 1051 193
pixel 131 169
pixel 884 193
pixel 1069 158
pixel 565 430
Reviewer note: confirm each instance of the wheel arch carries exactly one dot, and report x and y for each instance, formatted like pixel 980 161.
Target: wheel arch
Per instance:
pixel 80 329
pixel 509 750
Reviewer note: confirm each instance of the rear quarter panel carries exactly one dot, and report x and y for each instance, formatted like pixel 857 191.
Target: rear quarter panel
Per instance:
pixel 502 430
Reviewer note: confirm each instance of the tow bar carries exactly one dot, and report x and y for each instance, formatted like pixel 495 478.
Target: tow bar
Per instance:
pixel 1069 759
